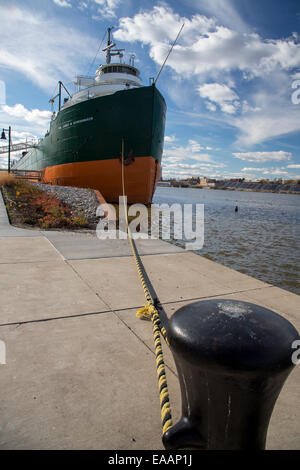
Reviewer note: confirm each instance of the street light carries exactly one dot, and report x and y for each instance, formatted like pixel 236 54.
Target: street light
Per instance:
pixel 3 137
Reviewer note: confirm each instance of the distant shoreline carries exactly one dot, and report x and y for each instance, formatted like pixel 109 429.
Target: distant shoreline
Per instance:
pixel 248 187
pixel 279 191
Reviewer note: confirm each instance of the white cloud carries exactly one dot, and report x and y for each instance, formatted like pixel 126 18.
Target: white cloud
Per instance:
pixel 218 171
pixel 293 166
pixel 16 137
pixel 42 48
pixel 268 112
pixel 271 122
pixel 194 166
pixel 209 53
pixel 276 172
pixel 210 106
pixel 107 9
pixel 223 10
pixel 181 153
pixel 187 170
pixel 160 26
pixel 3 161
pixel 268 171
pixel 62 3
pixel 25 124
pixel 83 5
pixel 192 151
pixel 170 138
pixel 255 169
pixel 194 146
pixel 201 157
pixel 186 161
pixel 19 112
pixel 237 174
pixel 224 96
pixel 246 108
pixel 216 92
pixel 264 156
pixel 206 47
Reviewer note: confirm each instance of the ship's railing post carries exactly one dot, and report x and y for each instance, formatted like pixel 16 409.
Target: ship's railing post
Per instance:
pixel 232 359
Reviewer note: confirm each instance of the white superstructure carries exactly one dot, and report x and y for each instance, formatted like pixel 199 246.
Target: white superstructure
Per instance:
pixel 109 78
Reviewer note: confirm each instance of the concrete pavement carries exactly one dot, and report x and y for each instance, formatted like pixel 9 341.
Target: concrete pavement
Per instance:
pixel 80 367
pixel 75 246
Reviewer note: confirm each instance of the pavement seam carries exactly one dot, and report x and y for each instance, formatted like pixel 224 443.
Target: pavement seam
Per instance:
pixel 117 256
pixel 215 295
pixel 141 340
pixel 119 309
pixel 28 262
pixel 60 254
pixel 65 317
pixel 110 309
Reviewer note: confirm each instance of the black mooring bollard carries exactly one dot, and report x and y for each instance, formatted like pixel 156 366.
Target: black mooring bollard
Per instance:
pixel 232 359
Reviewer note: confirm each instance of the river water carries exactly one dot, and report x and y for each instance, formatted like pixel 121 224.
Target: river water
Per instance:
pixel 261 239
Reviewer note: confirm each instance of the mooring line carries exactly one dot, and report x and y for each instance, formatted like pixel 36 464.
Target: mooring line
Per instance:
pixel 150 312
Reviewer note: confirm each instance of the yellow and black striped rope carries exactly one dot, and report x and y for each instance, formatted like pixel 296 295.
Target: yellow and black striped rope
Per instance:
pixel 149 312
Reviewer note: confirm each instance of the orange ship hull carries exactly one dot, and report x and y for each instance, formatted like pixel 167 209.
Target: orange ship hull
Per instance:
pixel 141 177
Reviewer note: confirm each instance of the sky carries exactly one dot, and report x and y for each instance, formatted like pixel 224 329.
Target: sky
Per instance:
pixel 231 83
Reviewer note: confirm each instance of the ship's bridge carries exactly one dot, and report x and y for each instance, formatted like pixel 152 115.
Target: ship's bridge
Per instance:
pixel 108 80
pixel 108 72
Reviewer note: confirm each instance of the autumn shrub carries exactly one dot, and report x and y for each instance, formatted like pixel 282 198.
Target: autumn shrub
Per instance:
pixel 6 179
pixel 29 204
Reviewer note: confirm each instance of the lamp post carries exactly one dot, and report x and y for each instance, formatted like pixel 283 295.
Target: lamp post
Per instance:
pixel 3 137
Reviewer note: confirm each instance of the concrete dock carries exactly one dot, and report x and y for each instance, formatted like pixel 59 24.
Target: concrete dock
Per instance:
pixel 80 367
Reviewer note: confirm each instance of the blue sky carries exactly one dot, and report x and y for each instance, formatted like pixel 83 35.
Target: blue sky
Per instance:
pixel 228 84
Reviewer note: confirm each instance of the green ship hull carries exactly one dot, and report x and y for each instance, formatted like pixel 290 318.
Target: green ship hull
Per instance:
pixel 83 145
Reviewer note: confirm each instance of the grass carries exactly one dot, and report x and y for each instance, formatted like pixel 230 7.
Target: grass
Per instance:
pixel 28 205
pixel 6 179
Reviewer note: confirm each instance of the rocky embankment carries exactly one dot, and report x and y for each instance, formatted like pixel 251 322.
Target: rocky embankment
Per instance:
pixel 81 200
pixel 264 187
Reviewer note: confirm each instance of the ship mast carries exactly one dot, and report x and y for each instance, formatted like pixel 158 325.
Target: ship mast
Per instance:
pixel 109 48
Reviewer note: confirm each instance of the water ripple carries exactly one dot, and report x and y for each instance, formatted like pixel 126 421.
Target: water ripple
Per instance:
pixel 261 239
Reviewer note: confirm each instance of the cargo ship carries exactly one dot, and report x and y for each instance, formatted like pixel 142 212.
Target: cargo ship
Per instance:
pixel 83 145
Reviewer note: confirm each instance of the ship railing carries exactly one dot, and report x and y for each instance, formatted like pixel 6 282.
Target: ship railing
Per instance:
pixel 19 146
pixel 31 175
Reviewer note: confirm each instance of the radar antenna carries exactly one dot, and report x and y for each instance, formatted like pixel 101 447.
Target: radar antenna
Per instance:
pixel 109 48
